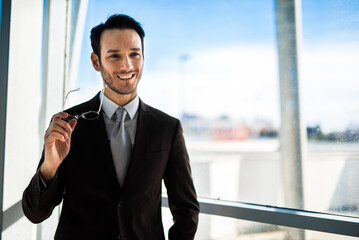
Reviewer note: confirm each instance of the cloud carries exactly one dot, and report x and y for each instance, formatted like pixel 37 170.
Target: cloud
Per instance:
pixel 242 82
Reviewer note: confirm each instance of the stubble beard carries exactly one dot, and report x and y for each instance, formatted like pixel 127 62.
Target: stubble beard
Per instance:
pixel 109 80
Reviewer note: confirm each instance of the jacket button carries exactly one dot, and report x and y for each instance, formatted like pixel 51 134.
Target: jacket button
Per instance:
pixel 120 204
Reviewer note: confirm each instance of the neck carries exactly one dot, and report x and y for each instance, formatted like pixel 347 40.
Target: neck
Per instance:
pixel 120 99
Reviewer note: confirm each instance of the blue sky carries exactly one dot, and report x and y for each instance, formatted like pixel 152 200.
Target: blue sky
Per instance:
pixel 174 26
pixel 177 27
pixel 211 29
pixel 330 20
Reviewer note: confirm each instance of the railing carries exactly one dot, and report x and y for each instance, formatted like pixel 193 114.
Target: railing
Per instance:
pixel 11 215
pixel 315 221
pixel 308 220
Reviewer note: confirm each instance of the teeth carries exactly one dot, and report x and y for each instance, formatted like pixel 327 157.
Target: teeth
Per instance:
pixel 125 77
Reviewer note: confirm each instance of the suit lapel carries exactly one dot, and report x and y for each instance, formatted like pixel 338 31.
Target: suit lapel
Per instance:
pixel 99 135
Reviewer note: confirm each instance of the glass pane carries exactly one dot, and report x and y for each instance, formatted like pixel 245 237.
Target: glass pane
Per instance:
pixel 213 64
pixel 330 104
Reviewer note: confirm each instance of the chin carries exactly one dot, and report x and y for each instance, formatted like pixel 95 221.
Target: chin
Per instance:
pixel 124 91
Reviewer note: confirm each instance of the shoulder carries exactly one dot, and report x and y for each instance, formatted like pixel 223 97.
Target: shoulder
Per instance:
pixel 157 114
pixel 90 105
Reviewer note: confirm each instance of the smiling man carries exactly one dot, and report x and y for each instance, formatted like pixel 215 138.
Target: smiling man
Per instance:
pixel 108 171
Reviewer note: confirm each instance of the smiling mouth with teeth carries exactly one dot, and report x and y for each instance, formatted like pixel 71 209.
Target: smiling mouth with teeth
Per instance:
pixel 125 77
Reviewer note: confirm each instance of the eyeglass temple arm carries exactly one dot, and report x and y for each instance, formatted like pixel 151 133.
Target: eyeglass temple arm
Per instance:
pixel 103 93
pixel 74 90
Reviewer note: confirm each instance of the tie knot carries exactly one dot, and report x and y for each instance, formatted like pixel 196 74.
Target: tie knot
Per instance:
pixel 120 114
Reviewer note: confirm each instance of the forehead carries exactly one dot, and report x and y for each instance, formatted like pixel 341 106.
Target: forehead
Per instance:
pixel 120 39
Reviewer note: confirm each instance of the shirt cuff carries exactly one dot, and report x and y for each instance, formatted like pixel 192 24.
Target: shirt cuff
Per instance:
pixel 43 184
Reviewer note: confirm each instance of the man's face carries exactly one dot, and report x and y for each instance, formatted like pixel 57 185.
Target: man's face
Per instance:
pixel 121 60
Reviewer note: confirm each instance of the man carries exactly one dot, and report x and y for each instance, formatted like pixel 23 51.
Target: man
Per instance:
pixel 108 171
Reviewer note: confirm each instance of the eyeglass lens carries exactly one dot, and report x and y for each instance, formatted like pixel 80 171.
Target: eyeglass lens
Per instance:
pixel 90 115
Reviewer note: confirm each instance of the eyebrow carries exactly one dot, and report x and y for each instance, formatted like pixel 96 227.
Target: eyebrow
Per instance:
pixel 116 50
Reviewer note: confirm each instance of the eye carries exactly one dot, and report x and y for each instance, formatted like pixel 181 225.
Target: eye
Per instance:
pixel 114 56
pixel 134 54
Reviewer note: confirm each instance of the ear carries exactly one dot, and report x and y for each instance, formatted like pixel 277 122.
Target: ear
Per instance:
pixel 95 61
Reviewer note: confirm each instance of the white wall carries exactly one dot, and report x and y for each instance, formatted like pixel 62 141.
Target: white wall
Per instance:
pixel 23 105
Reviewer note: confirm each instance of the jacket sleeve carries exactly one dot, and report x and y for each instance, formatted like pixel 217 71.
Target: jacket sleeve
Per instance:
pixel 39 200
pixel 182 198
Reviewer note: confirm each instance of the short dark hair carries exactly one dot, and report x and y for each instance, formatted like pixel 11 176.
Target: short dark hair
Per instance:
pixel 116 21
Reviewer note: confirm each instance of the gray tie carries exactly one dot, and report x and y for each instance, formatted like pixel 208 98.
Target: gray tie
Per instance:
pixel 120 145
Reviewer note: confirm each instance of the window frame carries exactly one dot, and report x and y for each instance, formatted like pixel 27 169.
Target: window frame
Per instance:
pixel 4 70
pixel 308 220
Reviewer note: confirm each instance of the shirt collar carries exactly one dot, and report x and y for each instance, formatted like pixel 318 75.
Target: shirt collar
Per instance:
pixel 110 107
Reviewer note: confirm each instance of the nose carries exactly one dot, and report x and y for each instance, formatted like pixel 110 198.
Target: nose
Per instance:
pixel 125 64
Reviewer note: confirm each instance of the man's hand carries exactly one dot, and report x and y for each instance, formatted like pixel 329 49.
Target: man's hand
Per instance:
pixel 57 144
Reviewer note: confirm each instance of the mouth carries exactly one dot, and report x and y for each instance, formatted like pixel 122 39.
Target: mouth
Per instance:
pixel 125 77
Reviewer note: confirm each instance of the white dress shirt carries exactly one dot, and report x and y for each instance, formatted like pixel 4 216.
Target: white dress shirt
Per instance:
pixel 109 108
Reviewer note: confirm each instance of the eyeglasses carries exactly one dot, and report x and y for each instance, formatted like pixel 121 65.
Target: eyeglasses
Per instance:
pixel 90 115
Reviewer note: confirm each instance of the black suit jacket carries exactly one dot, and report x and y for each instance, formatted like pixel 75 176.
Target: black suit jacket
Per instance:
pixel 95 206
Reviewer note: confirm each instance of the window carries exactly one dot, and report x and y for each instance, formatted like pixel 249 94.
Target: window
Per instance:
pixel 330 80
pixel 214 65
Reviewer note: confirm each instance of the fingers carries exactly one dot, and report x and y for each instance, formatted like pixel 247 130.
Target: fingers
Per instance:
pixel 72 124
pixel 52 136
pixel 60 129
